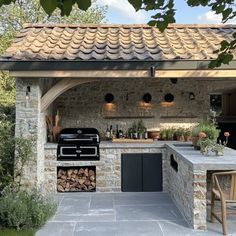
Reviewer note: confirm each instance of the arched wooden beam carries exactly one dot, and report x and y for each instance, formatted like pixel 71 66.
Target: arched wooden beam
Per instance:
pixel 59 88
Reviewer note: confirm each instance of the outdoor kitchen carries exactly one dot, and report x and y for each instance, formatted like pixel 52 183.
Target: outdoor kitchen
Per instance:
pixel 98 115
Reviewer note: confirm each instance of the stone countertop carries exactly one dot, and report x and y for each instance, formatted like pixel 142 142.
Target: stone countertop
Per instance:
pixel 111 145
pixel 203 162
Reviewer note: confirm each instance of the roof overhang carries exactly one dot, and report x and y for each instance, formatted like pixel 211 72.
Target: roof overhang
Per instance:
pixel 96 65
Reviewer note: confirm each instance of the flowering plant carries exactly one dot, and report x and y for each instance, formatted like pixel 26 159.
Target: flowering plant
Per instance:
pixel 207 144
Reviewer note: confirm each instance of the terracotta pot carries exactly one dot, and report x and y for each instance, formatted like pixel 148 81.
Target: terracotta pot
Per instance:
pixel 154 134
pixel 195 142
pixel 180 138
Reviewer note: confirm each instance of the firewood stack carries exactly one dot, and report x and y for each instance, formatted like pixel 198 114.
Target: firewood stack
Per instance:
pixel 76 179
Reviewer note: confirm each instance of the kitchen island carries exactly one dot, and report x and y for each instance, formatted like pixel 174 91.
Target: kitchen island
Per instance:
pixel 187 179
pixel 184 172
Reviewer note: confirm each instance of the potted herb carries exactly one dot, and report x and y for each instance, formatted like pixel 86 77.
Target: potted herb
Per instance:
pixel 187 135
pixel 135 130
pixel 163 134
pixel 179 134
pixel 206 127
pixel 141 129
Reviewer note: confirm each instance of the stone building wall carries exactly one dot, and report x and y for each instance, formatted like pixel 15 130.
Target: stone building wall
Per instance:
pixel 84 106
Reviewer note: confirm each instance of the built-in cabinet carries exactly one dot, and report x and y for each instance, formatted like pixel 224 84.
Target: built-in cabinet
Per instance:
pixel 141 172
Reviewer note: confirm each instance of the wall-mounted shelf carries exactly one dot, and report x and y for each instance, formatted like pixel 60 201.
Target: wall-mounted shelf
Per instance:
pixel 181 117
pixel 128 117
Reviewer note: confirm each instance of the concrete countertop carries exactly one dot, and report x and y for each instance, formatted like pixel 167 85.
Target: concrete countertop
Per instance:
pixel 203 162
pixel 183 150
pixel 111 145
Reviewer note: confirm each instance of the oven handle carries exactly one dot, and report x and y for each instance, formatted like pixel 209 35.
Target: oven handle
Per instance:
pixel 67 155
pixel 89 147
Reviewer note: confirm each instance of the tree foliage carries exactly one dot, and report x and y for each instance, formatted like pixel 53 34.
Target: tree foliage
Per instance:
pixel 12 17
pixel 164 13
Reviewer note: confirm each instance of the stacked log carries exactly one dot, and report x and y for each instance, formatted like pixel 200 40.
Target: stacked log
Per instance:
pixel 76 179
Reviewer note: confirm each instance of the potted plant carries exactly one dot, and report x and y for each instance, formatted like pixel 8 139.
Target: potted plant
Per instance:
pixel 206 127
pixel 179 134
pixel 163 134
pixel 140 129
pixel 187 135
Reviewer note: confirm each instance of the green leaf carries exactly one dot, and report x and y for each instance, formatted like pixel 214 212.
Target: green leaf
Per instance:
pixel 84 4
pixel 137 4
pixel 152 23
pixel 49 5
pixel 226 13
pixel 224 44
pixel 227 58
pixel 67 7
pixel 6 2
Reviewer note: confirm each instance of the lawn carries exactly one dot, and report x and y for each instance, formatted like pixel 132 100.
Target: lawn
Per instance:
pixel 11 232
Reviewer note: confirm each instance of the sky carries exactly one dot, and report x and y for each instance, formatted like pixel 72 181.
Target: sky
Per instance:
pixel 121 12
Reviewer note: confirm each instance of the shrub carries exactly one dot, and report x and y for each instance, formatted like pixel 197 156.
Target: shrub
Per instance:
pixel 7 149
pixel 21 209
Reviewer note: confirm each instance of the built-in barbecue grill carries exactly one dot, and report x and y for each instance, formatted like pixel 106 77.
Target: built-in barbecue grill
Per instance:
pixel 78 144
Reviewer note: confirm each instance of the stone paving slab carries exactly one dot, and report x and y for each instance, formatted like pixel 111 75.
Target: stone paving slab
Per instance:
pixel 122 214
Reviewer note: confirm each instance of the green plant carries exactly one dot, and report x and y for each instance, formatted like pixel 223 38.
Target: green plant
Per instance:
pixel 179 134
pixel 163 134
pixel 21 209
pixel 208 145
pixel 187 134
pixel 13 232
pixel 23 153
pixel 7 149
pixel 141 127
pixel 208 128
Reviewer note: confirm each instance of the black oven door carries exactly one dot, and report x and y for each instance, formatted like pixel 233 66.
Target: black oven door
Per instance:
pixel 88 152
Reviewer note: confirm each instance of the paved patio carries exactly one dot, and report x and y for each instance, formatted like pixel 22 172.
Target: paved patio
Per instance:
pixel 122 214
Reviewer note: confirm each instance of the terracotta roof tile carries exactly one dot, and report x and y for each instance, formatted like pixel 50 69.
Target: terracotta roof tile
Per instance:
pixel 117 42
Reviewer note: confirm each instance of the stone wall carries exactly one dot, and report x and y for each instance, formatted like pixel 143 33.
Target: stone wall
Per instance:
pixel 30 123
pixel 187 187
pixel 84 106
pixel 108 169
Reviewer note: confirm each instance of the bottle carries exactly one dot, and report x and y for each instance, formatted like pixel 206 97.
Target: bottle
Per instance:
pixel 117 132
pixel 111 132
pixel 108 134
pixel 145 134
pixel 121 134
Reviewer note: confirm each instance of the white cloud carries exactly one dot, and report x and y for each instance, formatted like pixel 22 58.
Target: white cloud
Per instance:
pixel 212 18
pixel 124 11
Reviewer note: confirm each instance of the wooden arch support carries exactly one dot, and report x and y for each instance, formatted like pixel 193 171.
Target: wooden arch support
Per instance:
pixel 59 88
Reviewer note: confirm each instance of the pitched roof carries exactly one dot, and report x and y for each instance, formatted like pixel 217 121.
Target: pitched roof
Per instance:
pixel 117 42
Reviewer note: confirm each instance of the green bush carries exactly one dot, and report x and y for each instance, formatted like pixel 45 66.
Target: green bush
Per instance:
pixel 7 149
pixel 21 209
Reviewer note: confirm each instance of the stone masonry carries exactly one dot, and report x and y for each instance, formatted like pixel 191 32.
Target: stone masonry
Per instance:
pixel 108 169
pixel 84 105
pixel 187 187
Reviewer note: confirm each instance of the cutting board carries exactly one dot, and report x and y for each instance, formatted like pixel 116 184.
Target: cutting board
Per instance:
pixel 126 140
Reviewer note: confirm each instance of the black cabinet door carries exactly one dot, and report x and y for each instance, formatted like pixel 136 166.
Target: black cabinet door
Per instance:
pixel 152 172
pixel 141 172
pixel 131 176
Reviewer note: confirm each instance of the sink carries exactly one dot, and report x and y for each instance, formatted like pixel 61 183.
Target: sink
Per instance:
pixel 183 145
